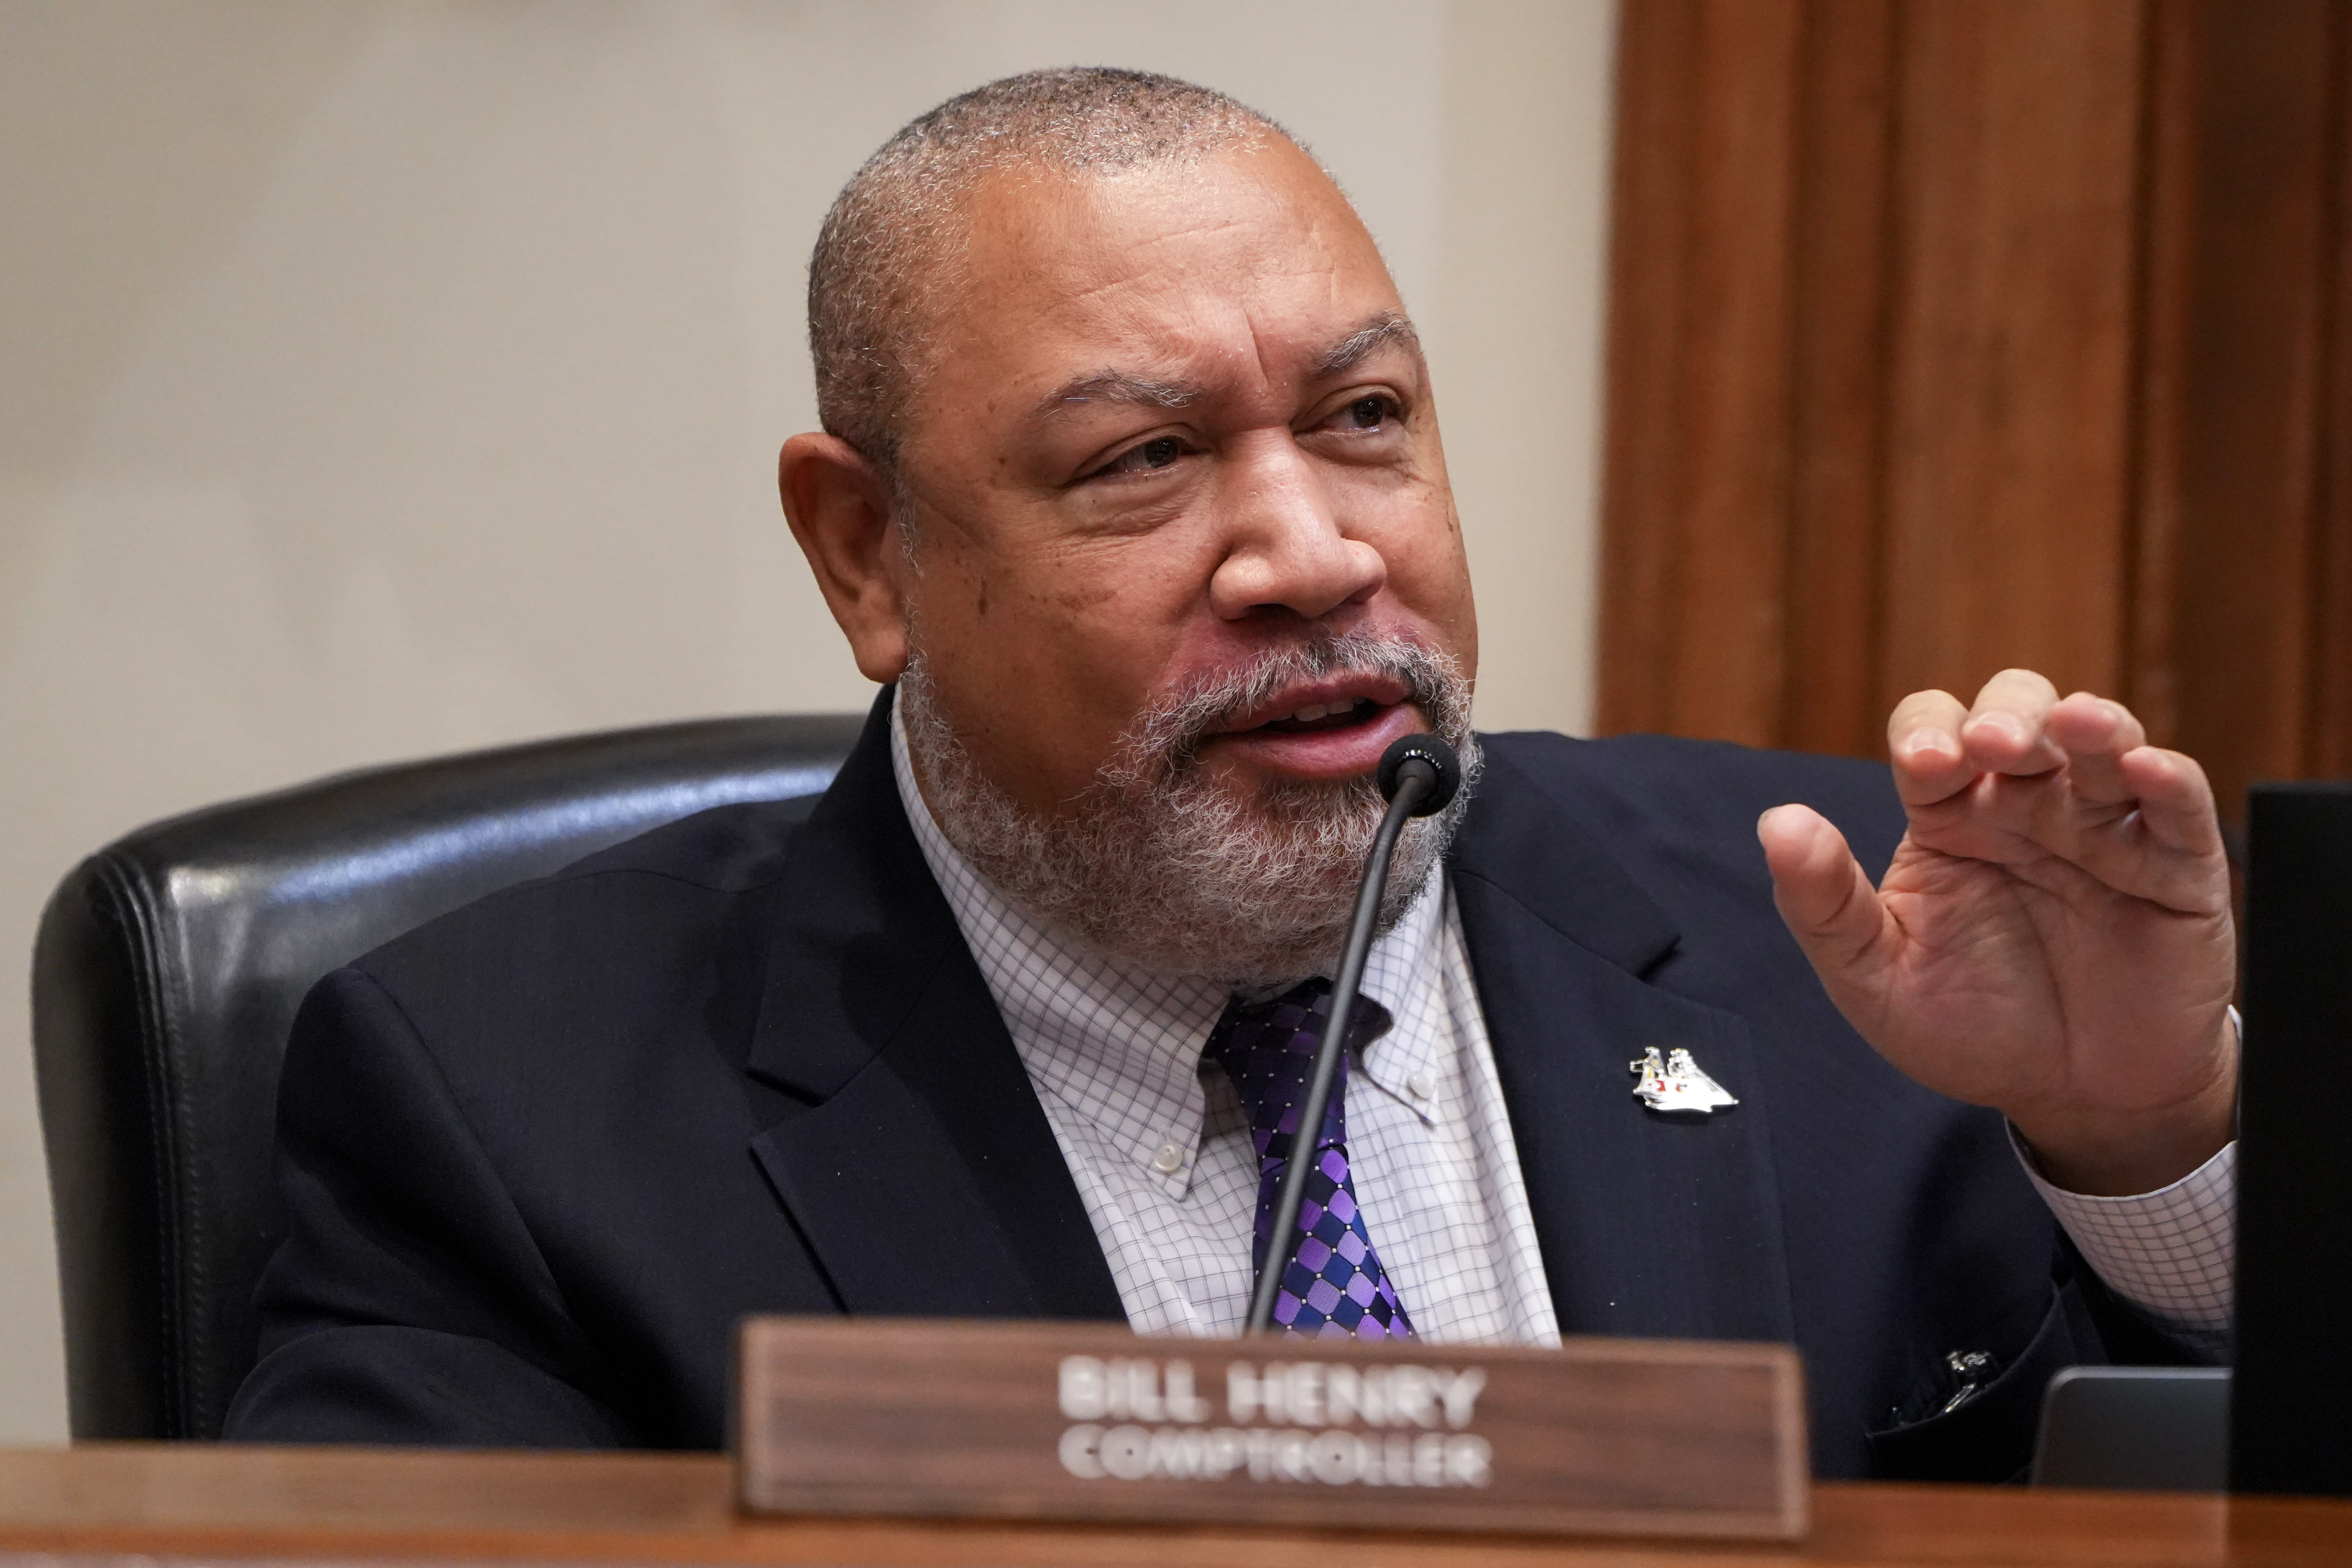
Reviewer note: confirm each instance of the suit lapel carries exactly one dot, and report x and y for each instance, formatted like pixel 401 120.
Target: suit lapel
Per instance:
pixel 1649 1225
pixel 925 1178
pixel 923 1173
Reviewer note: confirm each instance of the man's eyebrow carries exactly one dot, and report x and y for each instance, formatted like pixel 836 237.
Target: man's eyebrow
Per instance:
pixel 1358 346
pixel 1147 392
pixel 1118 386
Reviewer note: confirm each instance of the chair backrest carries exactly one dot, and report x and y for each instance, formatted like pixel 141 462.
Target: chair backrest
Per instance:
pixel 168 969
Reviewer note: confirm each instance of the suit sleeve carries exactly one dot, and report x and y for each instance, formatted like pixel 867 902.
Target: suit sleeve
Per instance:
pixel 409 1302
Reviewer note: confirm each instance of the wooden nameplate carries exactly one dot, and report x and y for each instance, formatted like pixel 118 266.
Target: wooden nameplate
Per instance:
pixel 1032 1420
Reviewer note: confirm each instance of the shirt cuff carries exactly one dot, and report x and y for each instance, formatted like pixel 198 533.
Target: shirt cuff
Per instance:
pixel 2170 1252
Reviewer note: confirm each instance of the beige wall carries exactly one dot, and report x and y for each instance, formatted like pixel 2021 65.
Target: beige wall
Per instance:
pixel 379 377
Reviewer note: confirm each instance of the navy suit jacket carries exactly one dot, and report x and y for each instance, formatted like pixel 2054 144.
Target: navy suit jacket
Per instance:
pixel 539 1156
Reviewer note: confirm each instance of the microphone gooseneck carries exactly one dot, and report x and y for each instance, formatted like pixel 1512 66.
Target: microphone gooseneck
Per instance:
pixel 1419 774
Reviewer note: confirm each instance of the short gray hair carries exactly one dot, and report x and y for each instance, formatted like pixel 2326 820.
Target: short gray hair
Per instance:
pixel 884 257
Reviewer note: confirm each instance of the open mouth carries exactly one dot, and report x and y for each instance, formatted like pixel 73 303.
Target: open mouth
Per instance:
pixel 1317 719
pixel 1324 730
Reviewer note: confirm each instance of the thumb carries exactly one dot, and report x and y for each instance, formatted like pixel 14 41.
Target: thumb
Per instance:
pixel 1829 904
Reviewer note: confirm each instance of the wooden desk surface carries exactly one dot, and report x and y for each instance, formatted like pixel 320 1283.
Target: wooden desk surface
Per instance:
pixel 215 1502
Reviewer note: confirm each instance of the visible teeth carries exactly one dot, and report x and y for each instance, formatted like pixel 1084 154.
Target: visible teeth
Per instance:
pixel 1307 715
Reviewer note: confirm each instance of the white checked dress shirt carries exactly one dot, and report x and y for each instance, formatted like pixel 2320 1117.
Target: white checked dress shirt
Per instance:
pixel 1161 1154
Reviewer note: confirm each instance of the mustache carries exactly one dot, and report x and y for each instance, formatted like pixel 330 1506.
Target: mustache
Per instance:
pixel 1166 738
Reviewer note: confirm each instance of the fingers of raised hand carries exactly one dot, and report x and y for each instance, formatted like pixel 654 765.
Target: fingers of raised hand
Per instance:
pixel 1923 741
pixel 2007 729
pixel 1939 748
pixel 2095 734
pixel 2138 818
pixel 2176 801
pixel 2022 774
pixel 2109 764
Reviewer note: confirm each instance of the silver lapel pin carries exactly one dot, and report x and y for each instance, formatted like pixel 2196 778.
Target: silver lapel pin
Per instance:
pixel 1676 1083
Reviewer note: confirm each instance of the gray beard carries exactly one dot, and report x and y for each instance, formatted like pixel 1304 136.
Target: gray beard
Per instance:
pixel 1158 866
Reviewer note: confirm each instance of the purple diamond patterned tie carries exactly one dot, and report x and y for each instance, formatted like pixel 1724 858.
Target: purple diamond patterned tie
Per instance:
pixel 1333 1283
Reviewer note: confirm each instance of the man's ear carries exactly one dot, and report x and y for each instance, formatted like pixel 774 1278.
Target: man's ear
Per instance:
pixel 839 508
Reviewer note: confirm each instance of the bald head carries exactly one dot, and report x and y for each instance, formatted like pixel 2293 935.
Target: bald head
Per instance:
pixel 886 261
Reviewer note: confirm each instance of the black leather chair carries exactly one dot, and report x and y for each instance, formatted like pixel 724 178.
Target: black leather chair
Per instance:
pixel 168 969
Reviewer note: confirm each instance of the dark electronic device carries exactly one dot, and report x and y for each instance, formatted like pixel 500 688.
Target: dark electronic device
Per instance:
pixel 2136 1428
pixel 2289 1426
pixel 2276 1423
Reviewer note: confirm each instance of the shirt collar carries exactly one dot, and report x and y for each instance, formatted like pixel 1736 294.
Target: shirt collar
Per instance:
pixel 1122 1046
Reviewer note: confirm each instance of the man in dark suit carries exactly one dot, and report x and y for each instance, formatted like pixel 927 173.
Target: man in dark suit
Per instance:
pixel 1131 495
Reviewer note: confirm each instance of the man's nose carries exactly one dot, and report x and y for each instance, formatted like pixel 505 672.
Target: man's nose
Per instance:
pixel 1286 548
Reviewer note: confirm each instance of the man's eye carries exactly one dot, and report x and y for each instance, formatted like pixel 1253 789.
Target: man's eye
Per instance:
pixel 1368 413
pixel 1158 453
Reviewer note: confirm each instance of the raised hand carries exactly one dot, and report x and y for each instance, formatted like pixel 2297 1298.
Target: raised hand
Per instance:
pixel 2053 936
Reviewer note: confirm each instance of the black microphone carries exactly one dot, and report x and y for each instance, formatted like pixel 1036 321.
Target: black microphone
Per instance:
pixel 1418 775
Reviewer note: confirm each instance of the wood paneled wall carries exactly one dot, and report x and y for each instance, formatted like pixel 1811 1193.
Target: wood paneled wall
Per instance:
pixel 1953 334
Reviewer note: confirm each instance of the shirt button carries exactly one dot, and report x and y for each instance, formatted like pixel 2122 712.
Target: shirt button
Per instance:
pixel 1169 1161
pixel 1422 1084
